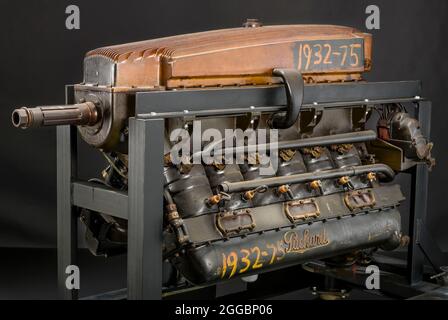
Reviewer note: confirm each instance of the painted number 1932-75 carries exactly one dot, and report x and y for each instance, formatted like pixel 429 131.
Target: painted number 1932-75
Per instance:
pixel 247 259
pixel 329 55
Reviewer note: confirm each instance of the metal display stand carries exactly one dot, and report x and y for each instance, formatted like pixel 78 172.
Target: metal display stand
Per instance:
pixel 142 205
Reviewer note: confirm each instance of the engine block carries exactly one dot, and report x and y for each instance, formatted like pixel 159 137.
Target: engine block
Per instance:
pixel 331 195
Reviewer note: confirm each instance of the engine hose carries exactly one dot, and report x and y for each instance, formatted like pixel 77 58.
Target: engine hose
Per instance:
pixel 294 86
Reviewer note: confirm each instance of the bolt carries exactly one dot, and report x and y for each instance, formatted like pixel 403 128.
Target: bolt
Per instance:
pixel 252 23
pixel 20 118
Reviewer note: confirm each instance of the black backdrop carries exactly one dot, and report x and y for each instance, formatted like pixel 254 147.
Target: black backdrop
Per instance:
pixel 38 56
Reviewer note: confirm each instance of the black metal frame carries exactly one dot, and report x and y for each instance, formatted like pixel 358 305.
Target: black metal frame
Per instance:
pixel 143 205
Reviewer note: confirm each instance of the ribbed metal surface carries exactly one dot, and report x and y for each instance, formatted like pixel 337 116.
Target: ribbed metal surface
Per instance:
pixel 218 39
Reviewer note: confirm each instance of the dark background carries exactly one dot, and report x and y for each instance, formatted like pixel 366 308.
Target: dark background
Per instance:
pixel 38 56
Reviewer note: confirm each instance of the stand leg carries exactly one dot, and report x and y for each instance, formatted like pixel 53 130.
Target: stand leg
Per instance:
pixel 145 208
pixel 419 202
pixel 67 236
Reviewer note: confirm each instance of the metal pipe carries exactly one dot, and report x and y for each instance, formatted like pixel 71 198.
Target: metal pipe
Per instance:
pixel 168 197
pixel 76 114
pixel 350 137
pixel 294 84
pixel 383 169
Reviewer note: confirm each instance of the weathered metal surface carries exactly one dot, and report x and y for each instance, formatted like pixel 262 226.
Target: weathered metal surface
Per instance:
pixel 189 189
pixel 310 176
pixel 239 56
pixel 221 221
pixel 279 248
pixel 76 114
pixel 203 229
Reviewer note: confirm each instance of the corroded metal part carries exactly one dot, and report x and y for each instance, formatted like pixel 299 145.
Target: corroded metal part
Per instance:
pixel 383 169
pixel 284 247
pixel 81 114
pixel 239 56
pixel 224 220
pixel 231 57
pixel 190 190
